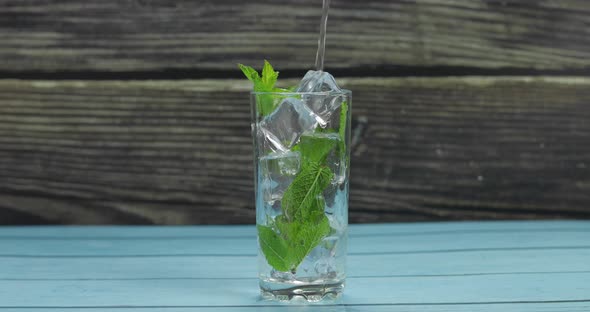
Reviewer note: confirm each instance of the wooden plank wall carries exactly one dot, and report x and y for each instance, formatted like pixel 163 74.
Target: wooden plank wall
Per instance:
pixel 134 112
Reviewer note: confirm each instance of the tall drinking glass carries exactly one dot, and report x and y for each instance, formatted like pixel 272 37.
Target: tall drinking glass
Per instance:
pixel 302 156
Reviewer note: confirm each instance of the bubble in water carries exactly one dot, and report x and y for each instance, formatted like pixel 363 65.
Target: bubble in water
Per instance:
pixel 282 276
pixel 325 267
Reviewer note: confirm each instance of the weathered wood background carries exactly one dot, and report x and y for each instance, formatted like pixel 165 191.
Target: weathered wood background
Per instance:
pixel 134 112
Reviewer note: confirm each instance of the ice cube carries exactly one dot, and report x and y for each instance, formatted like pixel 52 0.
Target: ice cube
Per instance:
pixel 277 171
pixel 336 199
pixel 328 98
pixel 272 209
pixel 268 143
pixel 317 81
pixel 339 212
pixel 323 106
pixel 330 198
pixel 337 162
pixel 282 128
pixel 333 119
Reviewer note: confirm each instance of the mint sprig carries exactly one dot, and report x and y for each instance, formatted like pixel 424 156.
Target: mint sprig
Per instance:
pixel 265 83
pixel 303 224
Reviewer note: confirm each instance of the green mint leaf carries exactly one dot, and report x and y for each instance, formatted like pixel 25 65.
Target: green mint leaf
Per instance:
pixel 300 199
pixel 267 82
pixel 274 248
pixel 302 238
pixel 309 237
pixel 288 230
pixel 325 130
pixel 269 75
pixel 267 103
pixel 250 73
pixel 315 149
pixel 343 115
pixel 342 130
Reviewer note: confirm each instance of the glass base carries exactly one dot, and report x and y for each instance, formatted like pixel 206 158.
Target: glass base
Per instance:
pixel 316 292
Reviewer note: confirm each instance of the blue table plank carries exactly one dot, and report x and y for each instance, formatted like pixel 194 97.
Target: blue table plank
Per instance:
pixel 520 307
pixel 473 266
pixel 384 243
pixel 244 292
pixel 477 262
pixel 149 232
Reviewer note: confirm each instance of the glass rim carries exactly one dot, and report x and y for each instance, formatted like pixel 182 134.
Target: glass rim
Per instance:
pixel 295 93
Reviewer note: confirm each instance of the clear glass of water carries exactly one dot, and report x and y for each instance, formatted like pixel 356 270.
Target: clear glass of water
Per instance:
pixel 302 156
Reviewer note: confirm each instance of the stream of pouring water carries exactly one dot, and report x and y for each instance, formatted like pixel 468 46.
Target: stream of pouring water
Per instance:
pixel 319 58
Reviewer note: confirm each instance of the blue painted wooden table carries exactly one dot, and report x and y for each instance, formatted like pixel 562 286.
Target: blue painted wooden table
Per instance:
pixel 474 266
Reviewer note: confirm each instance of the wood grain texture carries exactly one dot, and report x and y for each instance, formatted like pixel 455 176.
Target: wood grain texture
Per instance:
pixel 178 152
pixel 503 272
pixel 153 35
